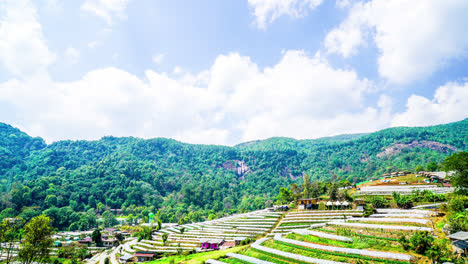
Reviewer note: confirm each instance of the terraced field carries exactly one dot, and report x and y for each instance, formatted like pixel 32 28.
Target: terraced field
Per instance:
pixel 332 237
pixel 248 225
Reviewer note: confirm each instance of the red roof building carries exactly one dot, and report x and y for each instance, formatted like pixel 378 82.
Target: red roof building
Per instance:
pixel 144 256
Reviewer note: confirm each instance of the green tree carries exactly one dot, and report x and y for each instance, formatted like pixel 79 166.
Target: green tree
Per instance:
pixel 164 238
pixel 97 237
pixel 432 166
pixel 109 219
pixel 119 237
pixel 10 235
pixel 419 167
pixel 285 196
pixel 458 162
pixel 37 240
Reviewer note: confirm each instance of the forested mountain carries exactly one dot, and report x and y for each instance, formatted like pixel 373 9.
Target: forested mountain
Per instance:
pixel 180 178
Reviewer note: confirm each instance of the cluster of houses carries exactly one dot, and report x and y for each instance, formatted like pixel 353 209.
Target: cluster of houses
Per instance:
pixel 84 238
pixel 313 204
pixel 436 176
pixel 395 174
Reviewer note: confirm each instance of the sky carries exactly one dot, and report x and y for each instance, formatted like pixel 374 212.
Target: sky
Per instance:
pixel 226 72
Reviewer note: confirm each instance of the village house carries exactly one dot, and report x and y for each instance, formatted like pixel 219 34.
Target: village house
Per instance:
pixel 459 242
pixel 110 242
pixel 126 258
pixel 238 240
pixel 110 231
pixel 307 204
pixel 213 244
pixel 144 256
pixel 85 241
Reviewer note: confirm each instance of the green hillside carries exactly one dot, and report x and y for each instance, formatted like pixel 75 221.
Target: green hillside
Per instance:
pixel 180 178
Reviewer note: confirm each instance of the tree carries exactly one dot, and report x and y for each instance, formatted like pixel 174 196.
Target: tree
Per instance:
pixel 146 233
pixel 109 219
pixel 458 162
pixel 164 238
pixel 119 237
pixel 159 226
pixel 285 196
pixel 97 238
pixel 419 167
pixel 333 191
pixel 10 235
pixel 432 166
pixel 37 240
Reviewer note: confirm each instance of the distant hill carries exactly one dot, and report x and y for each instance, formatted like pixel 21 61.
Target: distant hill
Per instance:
pixel 120 172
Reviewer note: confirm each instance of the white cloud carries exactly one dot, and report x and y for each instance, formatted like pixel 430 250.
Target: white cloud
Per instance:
pixel 414 38
pixel 158 58
pixel 177 70
pixel 448 105
pixel 23 50
pixel 72 55
pixel 267 11
pixel 106 9
pixel 233 101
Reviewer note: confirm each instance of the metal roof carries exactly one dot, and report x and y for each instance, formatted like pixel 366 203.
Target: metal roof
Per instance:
pixel 462 235
pixel 463 245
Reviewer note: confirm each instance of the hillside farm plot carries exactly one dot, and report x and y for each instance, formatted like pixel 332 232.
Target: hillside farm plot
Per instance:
pixel 350 240
pixel 236 227
pixel 402 189
pixel 311 218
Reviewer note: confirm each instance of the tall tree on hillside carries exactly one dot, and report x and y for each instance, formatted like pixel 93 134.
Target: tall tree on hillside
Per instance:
pixel 333 191
pixel 458 162
pixel 37 240
pixel 10 235
pixel 96 237
pixel 285 196
pixel 306 186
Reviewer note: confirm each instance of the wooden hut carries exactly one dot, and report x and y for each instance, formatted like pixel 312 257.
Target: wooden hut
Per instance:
pixel 307 204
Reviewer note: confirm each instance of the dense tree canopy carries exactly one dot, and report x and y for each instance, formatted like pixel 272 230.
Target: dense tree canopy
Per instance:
pixel 75 182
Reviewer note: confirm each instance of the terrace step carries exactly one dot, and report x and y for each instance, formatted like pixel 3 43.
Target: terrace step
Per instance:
pixel 257 245
pixel 388 227
pixel 248 259
pixel 362 252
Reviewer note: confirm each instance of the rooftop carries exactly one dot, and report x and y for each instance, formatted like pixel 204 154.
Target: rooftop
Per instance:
pixel 463 245
pixel 462 235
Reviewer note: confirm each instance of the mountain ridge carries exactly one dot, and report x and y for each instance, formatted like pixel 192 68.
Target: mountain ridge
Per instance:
pixel 174 176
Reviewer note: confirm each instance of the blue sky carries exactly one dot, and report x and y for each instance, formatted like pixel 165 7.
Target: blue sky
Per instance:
pixel 224 72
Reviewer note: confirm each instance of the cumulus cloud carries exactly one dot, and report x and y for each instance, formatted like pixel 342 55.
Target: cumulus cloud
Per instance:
pixel 267 11
pixel 402 30
pixel 23 50
pixel 448 105
pixel 234 100
pixel 106 9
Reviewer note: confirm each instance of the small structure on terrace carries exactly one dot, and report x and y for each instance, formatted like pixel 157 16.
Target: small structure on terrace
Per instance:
pixel 307 204
pixel 110 242
pixel 143 256
pixel 311 204
pixel 211 243
pixel 460 242
pixel 126 258
pixel 85 241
